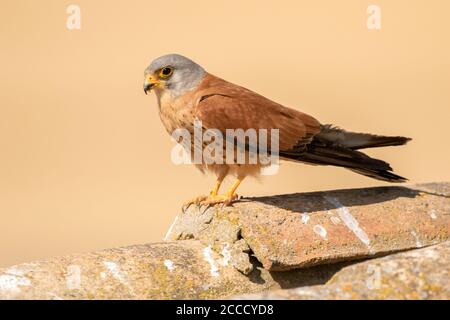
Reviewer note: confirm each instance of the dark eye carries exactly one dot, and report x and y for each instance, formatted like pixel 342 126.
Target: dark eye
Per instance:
pixel 165 72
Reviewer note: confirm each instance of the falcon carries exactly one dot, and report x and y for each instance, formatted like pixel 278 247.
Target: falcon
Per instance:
pixel 187 93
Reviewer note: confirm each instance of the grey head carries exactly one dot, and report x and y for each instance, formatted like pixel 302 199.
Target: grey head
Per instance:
pixel 174 73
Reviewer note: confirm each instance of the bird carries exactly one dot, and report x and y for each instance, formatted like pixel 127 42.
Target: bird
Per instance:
pixel 186 93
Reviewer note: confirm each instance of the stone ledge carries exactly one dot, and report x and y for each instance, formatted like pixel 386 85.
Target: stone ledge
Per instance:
pixel 171 270
pixel 302 230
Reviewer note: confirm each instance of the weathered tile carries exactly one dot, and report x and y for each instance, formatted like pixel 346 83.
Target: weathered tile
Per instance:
pixel 171 270
pixel 299 230
pixel 306 229
pixel 417 274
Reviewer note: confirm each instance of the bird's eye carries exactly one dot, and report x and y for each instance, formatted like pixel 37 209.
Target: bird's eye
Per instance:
pixel 165 72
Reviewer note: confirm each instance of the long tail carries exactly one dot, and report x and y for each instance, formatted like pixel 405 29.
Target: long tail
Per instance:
pixel 337 147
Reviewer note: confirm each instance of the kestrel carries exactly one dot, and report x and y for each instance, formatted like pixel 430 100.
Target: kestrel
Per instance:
pixel 187 93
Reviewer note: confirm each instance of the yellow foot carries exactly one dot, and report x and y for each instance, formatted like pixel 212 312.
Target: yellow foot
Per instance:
pixel 197 200
pixel 224 199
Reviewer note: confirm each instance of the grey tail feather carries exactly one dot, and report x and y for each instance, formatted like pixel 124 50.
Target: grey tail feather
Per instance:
pixel 382 175
pixel 353 140
pixel 336 147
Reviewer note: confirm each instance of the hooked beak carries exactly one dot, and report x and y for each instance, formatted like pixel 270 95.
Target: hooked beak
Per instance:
pixel 149 83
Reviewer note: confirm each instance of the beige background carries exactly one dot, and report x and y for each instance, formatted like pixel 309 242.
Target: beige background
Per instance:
pixel 85 162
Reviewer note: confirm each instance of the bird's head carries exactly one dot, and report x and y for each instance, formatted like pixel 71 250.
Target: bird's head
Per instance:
pixel 173 73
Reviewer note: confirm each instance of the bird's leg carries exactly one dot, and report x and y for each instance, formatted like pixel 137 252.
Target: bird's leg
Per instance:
pixel 216 188
pixel 226 198
pixel 212 194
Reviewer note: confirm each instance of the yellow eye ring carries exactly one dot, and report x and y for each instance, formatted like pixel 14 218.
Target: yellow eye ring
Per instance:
pixel 165 72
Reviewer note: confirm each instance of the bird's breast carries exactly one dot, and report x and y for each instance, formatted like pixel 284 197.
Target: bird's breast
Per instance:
pixel 175 114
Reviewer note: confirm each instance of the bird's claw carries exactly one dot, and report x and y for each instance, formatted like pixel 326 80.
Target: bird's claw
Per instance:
pixel 208 201
pixel 223 200
pixel 197 201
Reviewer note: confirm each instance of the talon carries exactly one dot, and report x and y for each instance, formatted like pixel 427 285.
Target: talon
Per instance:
pixel 206 208
pixel 196 200
pixel 213 198
pixel 225 200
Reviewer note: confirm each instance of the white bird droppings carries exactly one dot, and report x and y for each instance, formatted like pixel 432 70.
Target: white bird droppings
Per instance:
pixel 416 238
pixel 226 254
pixel 10 284
pixel 318 229
pixel 349 220
pixel 115 271
pixel 169 265
pixel 15 271
pixel 73 277
pixel 305 218
pixel 207 254
pixel 433 214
